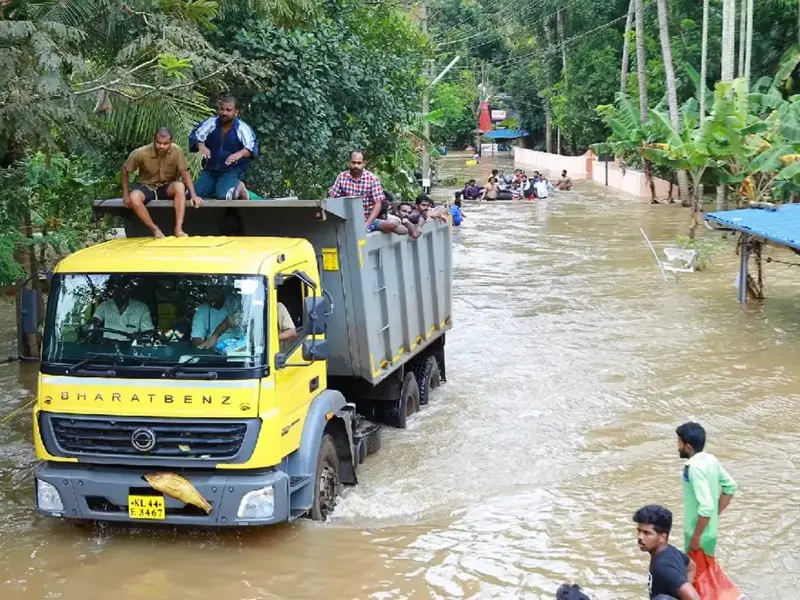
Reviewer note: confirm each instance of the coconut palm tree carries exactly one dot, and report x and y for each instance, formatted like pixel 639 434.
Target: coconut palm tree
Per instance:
pixel 623 77
pixel 728 67
pixel 641 60
pixel 672 90
pixel 704 62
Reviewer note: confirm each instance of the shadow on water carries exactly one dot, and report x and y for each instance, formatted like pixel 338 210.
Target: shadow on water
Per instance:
pixel 570 364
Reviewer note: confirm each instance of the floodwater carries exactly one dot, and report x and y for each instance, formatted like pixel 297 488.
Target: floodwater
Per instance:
pixel 570 364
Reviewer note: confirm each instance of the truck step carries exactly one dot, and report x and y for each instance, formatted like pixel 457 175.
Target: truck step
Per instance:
pixel 298 481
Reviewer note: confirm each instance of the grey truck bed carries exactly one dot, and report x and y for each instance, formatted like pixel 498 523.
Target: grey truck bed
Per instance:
pixel 392 295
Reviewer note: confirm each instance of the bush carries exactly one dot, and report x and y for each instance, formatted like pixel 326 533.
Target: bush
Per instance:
pixel 708 248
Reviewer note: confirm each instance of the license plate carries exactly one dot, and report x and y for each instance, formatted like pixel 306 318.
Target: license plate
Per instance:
pixel 146 507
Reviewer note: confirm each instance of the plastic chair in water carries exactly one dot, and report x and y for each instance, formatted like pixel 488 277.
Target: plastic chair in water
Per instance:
pixel 677 260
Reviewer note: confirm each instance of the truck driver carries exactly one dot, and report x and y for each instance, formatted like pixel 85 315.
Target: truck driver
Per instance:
pixel 121 314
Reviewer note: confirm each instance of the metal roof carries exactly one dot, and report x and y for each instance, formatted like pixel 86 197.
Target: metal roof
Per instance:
pixel 505 134
pixel 780 226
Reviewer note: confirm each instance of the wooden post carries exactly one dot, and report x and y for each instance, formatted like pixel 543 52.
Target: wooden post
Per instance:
pixel 744 256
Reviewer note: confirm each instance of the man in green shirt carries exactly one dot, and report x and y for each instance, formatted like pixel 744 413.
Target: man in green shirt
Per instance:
pixel 707 489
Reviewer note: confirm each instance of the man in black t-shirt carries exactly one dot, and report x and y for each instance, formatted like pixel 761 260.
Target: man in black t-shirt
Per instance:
pixel 671 571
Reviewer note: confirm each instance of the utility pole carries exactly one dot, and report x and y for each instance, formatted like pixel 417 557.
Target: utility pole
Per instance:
pixel 426 105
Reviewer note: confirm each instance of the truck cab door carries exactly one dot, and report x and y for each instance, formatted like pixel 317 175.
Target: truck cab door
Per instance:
pixel 297 380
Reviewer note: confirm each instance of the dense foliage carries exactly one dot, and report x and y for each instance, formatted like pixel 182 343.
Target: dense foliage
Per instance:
pixel 522 47
pixel 83 82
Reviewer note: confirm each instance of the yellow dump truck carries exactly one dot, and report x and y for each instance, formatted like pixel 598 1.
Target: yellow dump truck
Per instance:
pixel 237 376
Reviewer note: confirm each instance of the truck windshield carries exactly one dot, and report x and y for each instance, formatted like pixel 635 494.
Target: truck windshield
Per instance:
pixel 167 323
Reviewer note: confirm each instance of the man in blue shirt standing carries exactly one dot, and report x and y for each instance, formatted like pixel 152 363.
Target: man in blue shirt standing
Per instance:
pixel 227 145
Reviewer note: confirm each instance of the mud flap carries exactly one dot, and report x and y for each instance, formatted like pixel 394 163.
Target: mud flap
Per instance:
pixel 347 468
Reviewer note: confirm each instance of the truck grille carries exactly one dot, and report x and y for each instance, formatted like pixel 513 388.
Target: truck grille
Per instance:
pixel 144 438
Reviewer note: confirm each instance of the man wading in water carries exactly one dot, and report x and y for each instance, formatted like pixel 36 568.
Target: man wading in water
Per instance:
pixel 707 489
pixel 671 571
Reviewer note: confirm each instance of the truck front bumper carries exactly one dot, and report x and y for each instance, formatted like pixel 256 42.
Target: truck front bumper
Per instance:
pixel 101 494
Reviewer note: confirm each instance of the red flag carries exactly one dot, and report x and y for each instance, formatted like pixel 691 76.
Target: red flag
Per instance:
pixel 484 119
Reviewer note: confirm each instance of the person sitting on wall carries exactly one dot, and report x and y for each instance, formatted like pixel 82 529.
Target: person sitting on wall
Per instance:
pixel 227 145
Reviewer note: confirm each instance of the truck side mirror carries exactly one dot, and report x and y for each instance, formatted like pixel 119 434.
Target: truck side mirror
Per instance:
pixel 316 308
pixel 315 350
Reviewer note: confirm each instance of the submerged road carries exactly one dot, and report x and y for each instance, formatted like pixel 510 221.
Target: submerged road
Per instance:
pixel 570 364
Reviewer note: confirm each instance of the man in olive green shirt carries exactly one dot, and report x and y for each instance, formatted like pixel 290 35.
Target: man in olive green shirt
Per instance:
pixel 707 489
pixel 159 165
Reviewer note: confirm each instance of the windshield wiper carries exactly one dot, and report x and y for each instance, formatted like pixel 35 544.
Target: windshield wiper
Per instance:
pixel 179 372
pixel 88 360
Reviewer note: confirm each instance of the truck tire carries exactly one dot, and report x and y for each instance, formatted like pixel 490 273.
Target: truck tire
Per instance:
pixel 326 480
pixel 407 404
pixel 428 378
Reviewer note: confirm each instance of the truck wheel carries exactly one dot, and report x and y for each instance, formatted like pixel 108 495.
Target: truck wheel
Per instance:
pixel 429 378
pixel 326 484
pixel 406 405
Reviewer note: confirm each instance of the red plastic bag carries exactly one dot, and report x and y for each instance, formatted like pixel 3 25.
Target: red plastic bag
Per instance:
pixel 710 582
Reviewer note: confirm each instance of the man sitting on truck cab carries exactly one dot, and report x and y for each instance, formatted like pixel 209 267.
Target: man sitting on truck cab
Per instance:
pixel 227 144
pixel 159 165
pixel 121 313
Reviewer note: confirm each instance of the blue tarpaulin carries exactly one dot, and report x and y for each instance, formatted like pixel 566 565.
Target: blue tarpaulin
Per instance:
pixel 780 226
pixel 505 134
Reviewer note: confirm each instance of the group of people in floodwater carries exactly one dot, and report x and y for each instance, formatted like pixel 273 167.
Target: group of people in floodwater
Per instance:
pixel 503 186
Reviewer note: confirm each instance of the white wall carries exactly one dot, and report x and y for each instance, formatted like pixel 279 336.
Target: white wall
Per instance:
pixel 587 167
pixel 552 164
pixel 631 182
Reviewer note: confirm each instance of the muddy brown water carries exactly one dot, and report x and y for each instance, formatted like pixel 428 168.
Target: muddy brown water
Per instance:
pixel 570 364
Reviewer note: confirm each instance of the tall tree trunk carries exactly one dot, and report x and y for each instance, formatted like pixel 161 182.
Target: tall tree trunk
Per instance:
pixel 728 53
pixel 641 60
pixel 699 190
pixel 626 56
pixel 563 43
pixel 728 39
pixel 742 35
pixel 548 127
pixel 704 62
pixel 748 62
pixel 672 91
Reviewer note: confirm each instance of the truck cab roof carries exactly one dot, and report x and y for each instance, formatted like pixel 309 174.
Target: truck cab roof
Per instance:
pixel 198 254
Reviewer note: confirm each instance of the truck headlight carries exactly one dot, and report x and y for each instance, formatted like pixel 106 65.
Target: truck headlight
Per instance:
pixel 47 497
pixel 258 504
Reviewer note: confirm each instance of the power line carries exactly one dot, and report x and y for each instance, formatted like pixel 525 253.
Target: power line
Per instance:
pixel 536 22
pixel 504 21
pixel 557 48
pixel 508 4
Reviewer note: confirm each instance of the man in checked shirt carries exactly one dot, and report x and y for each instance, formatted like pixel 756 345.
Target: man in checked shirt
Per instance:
pixel 359 182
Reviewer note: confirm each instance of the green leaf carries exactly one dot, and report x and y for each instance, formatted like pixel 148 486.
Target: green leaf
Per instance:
pixel 790 172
